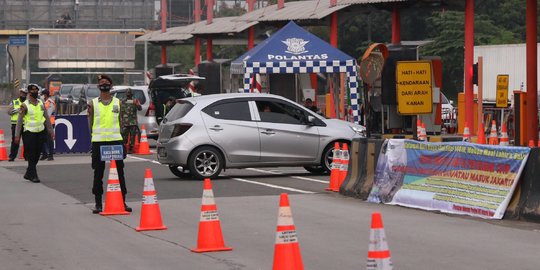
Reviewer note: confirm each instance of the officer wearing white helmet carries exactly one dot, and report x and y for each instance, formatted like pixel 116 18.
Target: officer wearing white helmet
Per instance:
pixel 13 111
pixel 33 125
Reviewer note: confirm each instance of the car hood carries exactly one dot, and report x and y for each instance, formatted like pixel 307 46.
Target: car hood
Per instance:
pixel 338 122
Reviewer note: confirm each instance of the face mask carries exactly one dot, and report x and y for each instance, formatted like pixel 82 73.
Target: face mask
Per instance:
pixel 22 98
pixel 34 95
pixel 105 87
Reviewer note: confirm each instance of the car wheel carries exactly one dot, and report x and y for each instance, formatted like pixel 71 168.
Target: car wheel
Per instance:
pixel 328 157
pixel 316 169
pixel 205 162
pixel 179 171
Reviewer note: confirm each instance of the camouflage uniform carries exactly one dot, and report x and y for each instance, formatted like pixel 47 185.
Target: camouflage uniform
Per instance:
pixel 128 119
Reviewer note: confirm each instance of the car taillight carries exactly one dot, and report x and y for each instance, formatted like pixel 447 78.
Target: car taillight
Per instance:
pixel 180 129
pixel 151 110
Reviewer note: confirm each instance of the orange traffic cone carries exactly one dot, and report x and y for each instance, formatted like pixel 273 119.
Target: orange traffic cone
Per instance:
pixel 334 173
pixel 481 137
pixel 3 151
pixel 210 236
pixel 531 143
pixel 21 156
pixel 344 164
pixel 287 250
pixel 378 253
pixel 150 213
pixel 114 202
pixel 493 138
pixel 466 133
pixel 504 136
pixel 144 148
pixel 423 133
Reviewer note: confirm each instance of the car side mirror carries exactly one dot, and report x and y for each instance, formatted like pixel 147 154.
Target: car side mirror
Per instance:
pixel 451 102
pixel 311 120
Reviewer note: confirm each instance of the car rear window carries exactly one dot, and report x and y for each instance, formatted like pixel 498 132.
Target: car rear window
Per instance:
pixel 92 92
pixel 76 91
pixel 179 110
pixel 137 94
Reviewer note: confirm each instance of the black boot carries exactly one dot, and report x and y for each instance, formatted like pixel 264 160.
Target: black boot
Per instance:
pixel 99 206
pixel 126 207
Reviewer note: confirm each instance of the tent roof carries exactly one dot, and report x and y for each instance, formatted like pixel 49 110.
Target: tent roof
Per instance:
pixel 303 46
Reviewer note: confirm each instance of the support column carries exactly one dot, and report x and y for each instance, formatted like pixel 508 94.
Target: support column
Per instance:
pixel 197 14
pixel 468 68
pixel 334 30
pixel 532 70
pixel 396 26
pixel 163 30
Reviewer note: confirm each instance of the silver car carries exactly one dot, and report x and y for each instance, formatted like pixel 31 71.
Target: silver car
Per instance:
pixel 146 116
pixel 203 135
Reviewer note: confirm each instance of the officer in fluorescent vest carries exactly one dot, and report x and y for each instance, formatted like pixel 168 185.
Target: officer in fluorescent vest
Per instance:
pixel 104 123
pixel 34 125
pixel 13 111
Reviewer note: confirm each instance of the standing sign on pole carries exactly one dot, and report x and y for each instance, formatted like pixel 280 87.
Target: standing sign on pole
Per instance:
pixel 502 91
pixel 414 87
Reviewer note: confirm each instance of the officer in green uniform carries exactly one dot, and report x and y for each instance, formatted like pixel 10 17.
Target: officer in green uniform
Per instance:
pixel 14 113
pixel 34 125
pixel 104 123
pixel 128 115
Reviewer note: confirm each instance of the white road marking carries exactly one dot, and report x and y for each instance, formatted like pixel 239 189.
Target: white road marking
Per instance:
pixel 273 186
pixel 145 159
pixel 296 177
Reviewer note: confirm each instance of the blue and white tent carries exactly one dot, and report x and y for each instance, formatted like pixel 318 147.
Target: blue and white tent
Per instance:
pixel 295 50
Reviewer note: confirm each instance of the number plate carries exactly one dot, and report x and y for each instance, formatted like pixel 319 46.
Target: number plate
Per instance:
pixel 162 152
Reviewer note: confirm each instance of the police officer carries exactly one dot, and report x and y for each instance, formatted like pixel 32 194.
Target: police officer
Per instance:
pixel 33 122
pixel 104 122
pixel 14 113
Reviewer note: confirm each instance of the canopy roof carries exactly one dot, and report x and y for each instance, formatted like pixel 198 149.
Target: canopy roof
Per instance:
pixel 291 44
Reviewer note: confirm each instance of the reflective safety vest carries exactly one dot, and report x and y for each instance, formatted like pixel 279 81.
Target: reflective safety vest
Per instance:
pixel 16 105
pixel 106 126
pixel 33 120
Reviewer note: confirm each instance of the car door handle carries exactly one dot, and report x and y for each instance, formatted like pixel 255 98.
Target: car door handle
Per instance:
pixel 268 132
pixel 216 128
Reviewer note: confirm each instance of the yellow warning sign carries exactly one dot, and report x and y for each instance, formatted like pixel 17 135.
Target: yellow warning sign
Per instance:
pixel 413 86
pixel 502 91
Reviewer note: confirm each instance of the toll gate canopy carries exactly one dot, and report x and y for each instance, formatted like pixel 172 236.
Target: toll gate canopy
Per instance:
pixel 295 50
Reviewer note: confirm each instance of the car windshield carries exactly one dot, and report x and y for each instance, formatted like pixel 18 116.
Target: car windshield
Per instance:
pixel 92 91
pixel 76 91
pixel 65 89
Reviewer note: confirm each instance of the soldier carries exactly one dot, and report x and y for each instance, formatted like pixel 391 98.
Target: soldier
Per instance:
pixel 128 116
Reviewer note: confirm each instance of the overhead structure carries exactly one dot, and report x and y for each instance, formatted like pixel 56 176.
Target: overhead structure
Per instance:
pixel 294 50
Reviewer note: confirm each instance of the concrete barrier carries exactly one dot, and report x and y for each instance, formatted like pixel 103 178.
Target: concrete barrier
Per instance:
pixel 525 203
pixel 359 180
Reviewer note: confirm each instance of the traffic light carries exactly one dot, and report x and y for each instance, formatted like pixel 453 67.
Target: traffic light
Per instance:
pixel 475 73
